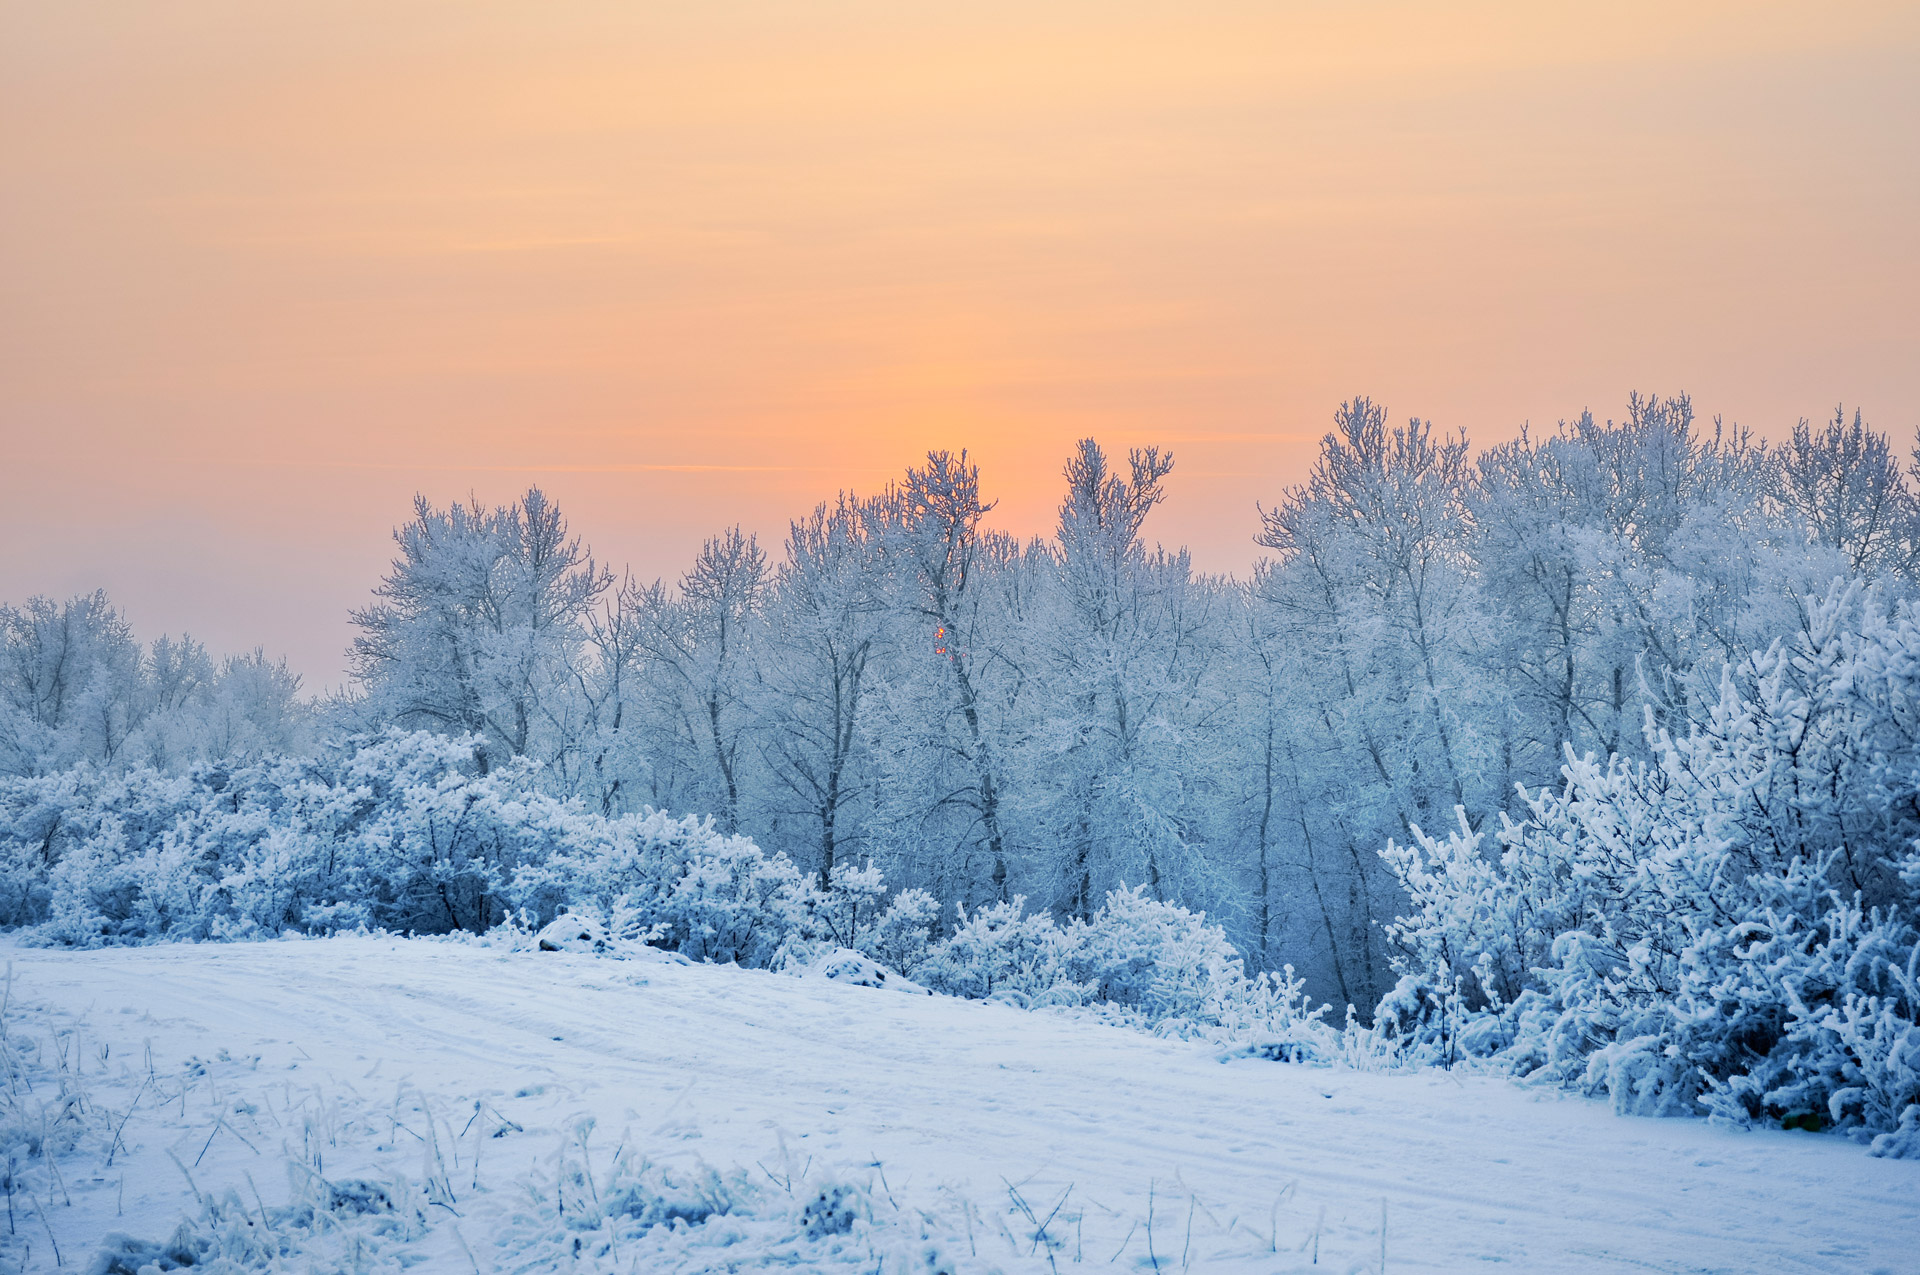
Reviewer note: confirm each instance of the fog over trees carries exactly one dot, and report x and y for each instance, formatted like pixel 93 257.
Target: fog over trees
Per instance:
pixel 1436 631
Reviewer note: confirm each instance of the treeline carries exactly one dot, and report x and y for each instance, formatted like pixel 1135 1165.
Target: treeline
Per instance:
pixel 983 718
pixel 77 689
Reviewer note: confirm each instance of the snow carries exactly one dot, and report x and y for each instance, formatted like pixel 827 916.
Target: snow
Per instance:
pixel 970 1111
pixel 573 932
pixel 844 965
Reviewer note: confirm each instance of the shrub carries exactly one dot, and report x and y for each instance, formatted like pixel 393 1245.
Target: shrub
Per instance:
pixel 903 937
pixel 1002 951
pixel 1729 928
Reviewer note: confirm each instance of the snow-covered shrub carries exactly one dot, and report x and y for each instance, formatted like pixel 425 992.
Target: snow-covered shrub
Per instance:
pixel 903 937
pixel 852 904
pixel 1271 1016
pixel 699 892
pixel 1002 950
pixel 739 904
pixel 400 830
pixel 1484 924
pixel 1158 959
pixel 39 818
pixel 1425 1023
pixel 404 831
pixel 1730 927
pixel 1141 959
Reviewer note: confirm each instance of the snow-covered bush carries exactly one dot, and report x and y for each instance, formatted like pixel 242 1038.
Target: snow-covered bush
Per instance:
pixel 696 891
pixel 853 903
pixel 403 831
pixel 903 937
pixel 1140 959
pixel 38 821
pixel 1002 950
pixel 1730 927
pixel 1271 1016
pixel 415 833
pixel 1158 959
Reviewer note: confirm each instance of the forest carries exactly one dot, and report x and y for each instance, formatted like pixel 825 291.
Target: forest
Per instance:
pixel 1559 751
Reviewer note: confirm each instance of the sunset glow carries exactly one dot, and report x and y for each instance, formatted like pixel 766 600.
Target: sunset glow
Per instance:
pixel 271 269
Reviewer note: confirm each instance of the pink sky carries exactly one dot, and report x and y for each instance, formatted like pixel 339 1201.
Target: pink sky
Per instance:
pixel 266 270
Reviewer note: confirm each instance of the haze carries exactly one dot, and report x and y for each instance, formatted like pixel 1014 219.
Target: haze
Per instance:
pixel 267 270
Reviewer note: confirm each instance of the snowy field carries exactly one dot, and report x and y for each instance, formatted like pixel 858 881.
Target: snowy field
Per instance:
pixel 368 1104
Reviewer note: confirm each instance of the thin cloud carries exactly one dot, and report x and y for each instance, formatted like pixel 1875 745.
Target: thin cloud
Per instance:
pixel 561 469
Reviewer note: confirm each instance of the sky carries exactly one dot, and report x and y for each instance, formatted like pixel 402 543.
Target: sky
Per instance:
pixel 268 270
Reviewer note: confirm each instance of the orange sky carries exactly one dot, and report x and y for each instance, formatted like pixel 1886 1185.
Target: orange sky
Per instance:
pixel 266 269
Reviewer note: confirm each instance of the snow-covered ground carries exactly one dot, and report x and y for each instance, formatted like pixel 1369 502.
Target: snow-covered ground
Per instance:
pixel 463 1073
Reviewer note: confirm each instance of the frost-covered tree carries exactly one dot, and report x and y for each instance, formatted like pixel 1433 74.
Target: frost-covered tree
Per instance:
pixel 824 643
pixel 77 689
pixel 958 590
pixel 1126 640
pixel 245 706
pixel 698 645
pixel 1374 592
pixel 477 623
pixel 1844 483
pixel 70 684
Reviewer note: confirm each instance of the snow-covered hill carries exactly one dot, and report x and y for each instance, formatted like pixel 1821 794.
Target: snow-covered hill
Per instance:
pixel 845 1128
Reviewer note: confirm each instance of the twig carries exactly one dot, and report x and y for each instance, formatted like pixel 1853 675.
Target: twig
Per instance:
pixel 1056 1208
pixel 1150 1254
pixel 218 1124
pixel 53 1165
pixel 881 1169
pixel 462 1241
pixel 198 1198
pixel 1013 1193
pixel 41 1210
pixel 116 1144
pixel 265 1225
pixel 1123 1244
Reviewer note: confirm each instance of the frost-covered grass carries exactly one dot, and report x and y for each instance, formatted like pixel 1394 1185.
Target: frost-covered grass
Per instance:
pixel 234 1167
pixel 377 1103
pixel 270 1174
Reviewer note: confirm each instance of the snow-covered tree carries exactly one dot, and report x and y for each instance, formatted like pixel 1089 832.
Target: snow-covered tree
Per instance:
pixel 827 634
pixel 1375 599
pixel 697 645
pixel 1844 483
pixel 957 587
pixel 477 624
pixel 70 684
pixel 1123 644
